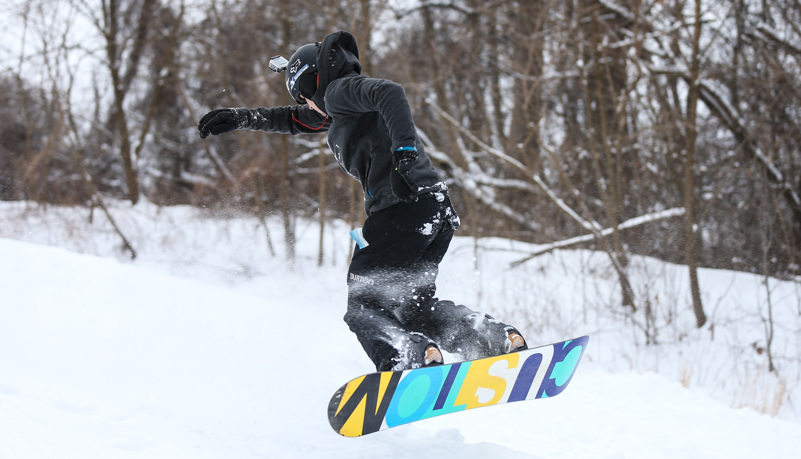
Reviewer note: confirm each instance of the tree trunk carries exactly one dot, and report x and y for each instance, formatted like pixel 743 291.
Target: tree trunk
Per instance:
pixel 284 179
pixel 690 235
pixel 111 32
pixel 322 198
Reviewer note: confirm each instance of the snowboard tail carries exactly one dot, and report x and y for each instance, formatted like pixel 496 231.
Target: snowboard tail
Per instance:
pixel 378 401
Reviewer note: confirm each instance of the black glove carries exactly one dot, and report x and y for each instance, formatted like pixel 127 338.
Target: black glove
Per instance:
pixel 220 121
pixel 400 178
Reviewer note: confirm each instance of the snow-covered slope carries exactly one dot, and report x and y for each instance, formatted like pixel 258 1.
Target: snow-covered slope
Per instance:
pixel 161 359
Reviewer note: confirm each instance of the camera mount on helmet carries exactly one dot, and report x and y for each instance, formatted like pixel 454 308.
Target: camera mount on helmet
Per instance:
pixel 278 63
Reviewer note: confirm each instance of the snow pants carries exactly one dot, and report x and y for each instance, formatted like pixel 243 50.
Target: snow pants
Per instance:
pixel 392 283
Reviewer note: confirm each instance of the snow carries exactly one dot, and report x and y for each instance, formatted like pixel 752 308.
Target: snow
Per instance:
pixel 208 347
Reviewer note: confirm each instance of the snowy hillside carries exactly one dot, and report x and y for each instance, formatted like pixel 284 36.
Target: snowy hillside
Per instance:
pixel 207 346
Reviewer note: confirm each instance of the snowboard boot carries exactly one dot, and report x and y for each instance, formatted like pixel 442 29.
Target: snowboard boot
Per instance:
pixel 433 356
pixel 514 341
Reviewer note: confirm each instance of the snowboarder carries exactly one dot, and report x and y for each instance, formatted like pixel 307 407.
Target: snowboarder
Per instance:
pixel 410 220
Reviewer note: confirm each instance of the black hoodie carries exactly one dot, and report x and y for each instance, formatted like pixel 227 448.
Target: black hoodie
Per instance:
pixel 368 119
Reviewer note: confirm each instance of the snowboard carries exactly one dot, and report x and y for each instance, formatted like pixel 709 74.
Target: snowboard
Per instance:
pixel 378 401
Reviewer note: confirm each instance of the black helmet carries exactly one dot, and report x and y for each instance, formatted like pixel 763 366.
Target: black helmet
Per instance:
pixel 301 75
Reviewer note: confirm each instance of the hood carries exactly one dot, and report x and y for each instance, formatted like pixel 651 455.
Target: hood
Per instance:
pixel 338 56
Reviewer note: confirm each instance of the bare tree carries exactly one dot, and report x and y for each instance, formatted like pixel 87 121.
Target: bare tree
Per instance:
pixel 690 235
pixel 124 38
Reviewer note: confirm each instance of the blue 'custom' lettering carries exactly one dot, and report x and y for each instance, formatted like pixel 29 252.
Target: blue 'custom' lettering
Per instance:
pixel 525 378
pixel 414 396
pixel 562 367
pixel 446 388
pixel 447 396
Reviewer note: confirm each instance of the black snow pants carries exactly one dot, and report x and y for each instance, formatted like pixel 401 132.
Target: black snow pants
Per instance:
pixel 391 287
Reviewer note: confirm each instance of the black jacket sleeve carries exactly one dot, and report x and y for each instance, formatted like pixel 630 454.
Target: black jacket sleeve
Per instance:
pixel 293 119
pixel 357 95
